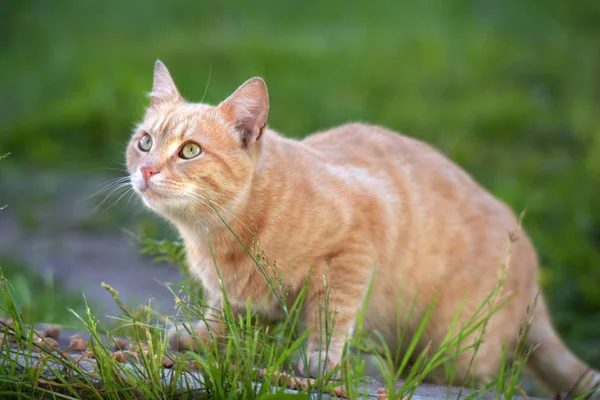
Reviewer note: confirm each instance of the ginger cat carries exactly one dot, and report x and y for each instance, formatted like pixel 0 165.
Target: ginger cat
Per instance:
pixel 335 206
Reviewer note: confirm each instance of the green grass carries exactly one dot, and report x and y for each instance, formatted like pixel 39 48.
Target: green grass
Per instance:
pixel 248 352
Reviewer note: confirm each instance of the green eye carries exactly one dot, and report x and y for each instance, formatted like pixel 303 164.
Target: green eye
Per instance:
pixel 145 143
pixel 190 150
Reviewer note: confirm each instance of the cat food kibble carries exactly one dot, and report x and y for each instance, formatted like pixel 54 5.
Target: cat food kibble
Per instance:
pixel 6 337
pixel 77 344
pixel 119 344
pixel 89 353
pixel 119 356
pixel 51 332
pixel 382 394
pixel 6 325
pixel 141 347
pixel 46 343
pixel 132 355
pixel 168 362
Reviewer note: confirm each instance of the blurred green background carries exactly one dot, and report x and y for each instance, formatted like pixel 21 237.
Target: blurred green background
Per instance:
pixel 509 89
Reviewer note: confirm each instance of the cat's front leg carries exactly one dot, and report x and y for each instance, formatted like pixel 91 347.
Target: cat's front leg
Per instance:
pixel 198 334
pixel 331 308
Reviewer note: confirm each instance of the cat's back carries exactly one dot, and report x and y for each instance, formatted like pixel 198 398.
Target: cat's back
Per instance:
pixel 377 148
pixel 405 164
pixel 362 144
pixel 355 142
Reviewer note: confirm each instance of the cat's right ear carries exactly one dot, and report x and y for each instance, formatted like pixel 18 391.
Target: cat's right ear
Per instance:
pixel 163 89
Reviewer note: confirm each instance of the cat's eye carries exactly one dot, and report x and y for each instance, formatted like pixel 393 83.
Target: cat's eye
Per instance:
pixel 145 143
pixel 190 150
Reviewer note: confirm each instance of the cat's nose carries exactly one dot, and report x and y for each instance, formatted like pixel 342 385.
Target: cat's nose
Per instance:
pixel 147 172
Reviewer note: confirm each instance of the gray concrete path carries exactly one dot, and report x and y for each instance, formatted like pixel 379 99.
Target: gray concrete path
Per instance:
pixel 49 225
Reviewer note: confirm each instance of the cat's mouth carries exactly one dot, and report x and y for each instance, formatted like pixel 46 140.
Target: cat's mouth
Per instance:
pixel 159 197
pixel 155 198
pixel 159 193
pixel 150 191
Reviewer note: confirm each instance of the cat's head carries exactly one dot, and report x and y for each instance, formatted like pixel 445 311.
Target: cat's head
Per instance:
pixel 187 158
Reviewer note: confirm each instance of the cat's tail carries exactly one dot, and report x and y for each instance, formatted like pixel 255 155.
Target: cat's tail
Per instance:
pixel 553 363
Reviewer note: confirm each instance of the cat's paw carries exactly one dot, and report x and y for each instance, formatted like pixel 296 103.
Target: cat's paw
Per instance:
pixel 193 337
pixel 319 365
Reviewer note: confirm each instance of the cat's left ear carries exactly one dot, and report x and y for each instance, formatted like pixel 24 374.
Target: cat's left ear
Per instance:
pixel 247 108
pixel 163 88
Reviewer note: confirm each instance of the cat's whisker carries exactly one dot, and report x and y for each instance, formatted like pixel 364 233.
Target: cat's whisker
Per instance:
pixel 111 183
pixel 131 196
pixel 214 203
pixel 231 214
pixel 129 190
pixel 114 185
pixel 112 192
pixel 210 191
pixel 120 162
pixel 199 199
pixel 117 169
pixel 207 82
pixel 196 186
pixel 197 202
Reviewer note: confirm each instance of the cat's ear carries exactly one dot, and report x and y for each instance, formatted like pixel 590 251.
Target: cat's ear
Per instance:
pixel 163 89
pixel 247 108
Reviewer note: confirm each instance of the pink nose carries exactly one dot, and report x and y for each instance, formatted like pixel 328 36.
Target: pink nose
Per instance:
pixel 148 172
